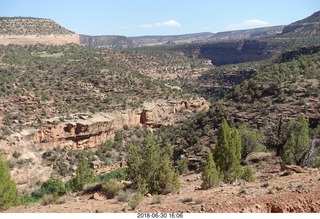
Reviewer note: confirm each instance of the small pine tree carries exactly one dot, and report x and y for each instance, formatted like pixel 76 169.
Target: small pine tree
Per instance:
pixel 210 176
pixel 84 175
pixel 8 190
pixel 227 153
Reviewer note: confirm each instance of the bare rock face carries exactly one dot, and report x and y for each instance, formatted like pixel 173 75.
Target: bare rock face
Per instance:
pixel 42 39
pixel 233 52
pixel 96 129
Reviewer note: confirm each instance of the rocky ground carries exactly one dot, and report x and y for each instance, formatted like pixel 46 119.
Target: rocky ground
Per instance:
pixel 273 191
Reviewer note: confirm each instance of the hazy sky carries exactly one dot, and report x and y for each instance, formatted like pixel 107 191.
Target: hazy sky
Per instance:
pixel 161 17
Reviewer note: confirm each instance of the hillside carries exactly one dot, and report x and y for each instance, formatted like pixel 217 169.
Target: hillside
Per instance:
pixel 24 31
pixel 306 27
pixel 224 126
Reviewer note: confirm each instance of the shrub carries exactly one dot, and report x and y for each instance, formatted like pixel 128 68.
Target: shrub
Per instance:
pixel 157 199
pixel 119 174
pixel 48 199
pixel 248 174
pixel 8 189
pixel 183 165
pixel 125 195
pixel 250 141
pixel 137 198
pixel 52 186
pixel 210 176
pixel 110 188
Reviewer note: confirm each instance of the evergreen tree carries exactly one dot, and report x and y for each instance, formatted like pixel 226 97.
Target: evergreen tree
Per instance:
pixel 227 153
pixel 210 176
pixel 150 167
pixel 8 190
pixel 297 146
pixel 84 175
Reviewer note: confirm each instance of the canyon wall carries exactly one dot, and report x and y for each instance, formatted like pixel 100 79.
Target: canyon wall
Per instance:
pixel 232 52
pixel 39 39
pixel 88 131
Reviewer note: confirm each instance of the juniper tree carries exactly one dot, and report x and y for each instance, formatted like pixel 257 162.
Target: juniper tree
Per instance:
pixel 227 153
pixel 84 175
pixel 210 176
pixel 298 144
pixel 150 167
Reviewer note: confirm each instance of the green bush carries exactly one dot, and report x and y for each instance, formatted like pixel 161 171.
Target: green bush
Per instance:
pixel 8 190
pixel 248 174
pixel 111 188
pixel 119 174
pixel 183 165
pixel 52 186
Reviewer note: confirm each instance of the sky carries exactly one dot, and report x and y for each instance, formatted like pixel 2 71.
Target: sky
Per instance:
pixel 161 17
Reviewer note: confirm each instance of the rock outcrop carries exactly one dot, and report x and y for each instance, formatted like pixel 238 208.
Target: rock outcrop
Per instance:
pixel 30 31
pixel 89 131
pixel 85 132
pixel 233 52
pixel 39 39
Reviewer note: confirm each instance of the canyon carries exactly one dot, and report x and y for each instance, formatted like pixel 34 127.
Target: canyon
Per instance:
pixel 87 131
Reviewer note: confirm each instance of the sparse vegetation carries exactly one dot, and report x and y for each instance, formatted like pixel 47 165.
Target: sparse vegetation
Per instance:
pixel 135 201
pixel 111 188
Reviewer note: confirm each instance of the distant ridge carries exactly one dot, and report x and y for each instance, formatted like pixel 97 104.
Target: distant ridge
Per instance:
pixel 307 27
pixel 28 30
pixel 120 42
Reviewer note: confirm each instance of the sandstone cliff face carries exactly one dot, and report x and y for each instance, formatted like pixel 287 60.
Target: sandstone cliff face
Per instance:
pixel 39 39
pixel 233 52
pixel 89 132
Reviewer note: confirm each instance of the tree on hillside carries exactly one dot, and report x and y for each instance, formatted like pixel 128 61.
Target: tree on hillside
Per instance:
pixel 250 141
pixel 84 175
pixel 298 144
pixel 150 167
pixel 227 153
pixel 8 189
pixel 276 136
pixel 210 176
